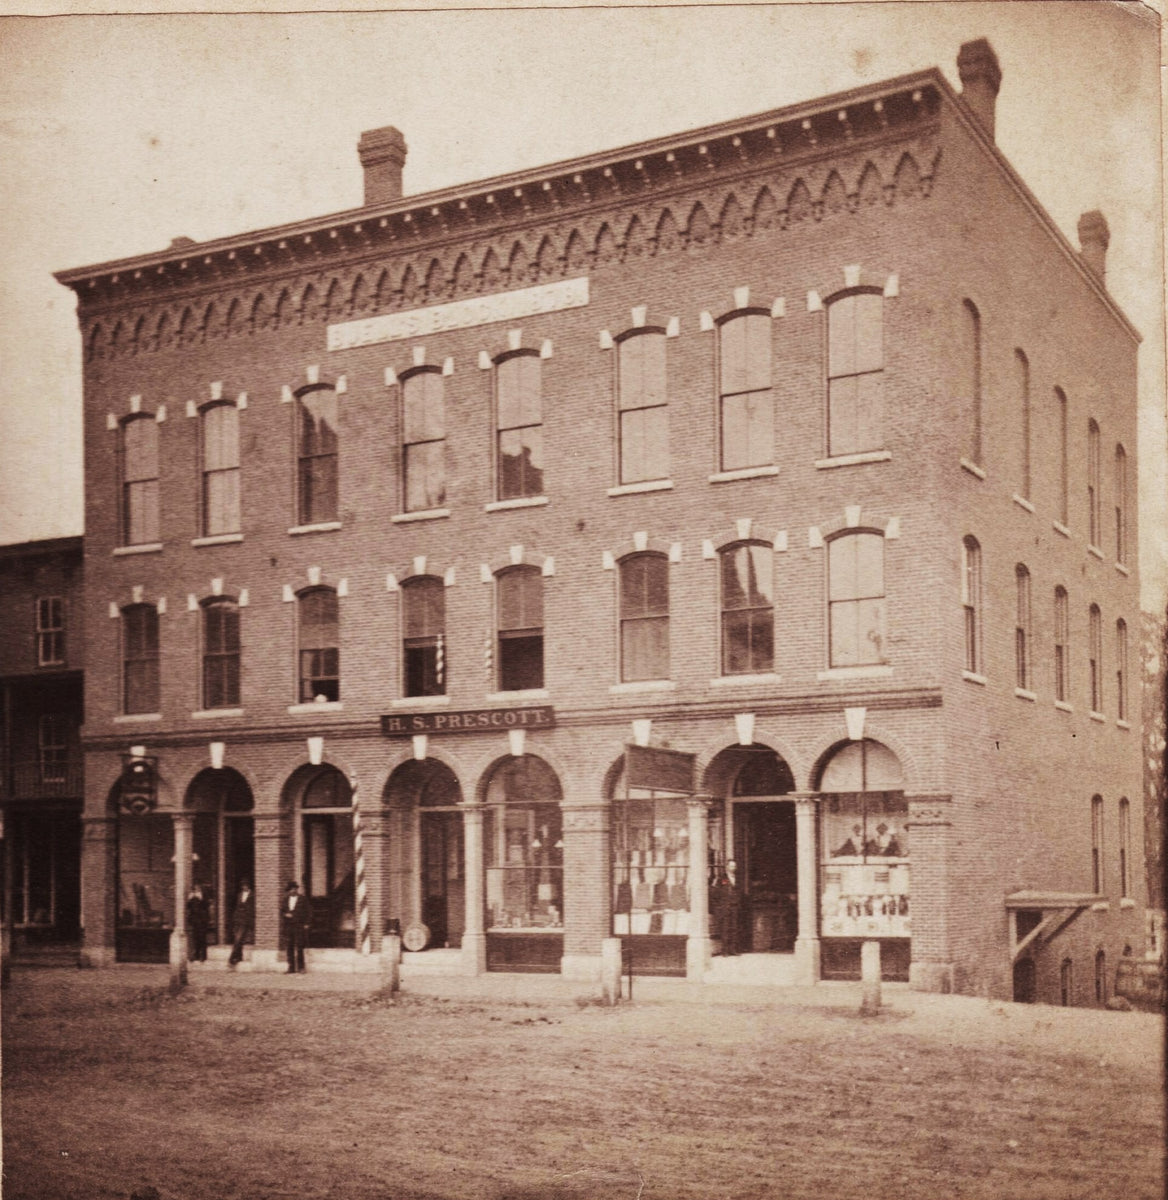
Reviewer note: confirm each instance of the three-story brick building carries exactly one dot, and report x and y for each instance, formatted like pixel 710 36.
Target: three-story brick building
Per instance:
pixel 797 452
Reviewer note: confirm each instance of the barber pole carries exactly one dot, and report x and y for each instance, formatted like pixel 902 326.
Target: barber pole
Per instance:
pixel 359 873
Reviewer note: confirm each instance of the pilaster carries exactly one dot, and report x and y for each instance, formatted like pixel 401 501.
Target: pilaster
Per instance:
pixel 99 892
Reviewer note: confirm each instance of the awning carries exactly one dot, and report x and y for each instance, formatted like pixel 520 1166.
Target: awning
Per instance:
pixel 1058 910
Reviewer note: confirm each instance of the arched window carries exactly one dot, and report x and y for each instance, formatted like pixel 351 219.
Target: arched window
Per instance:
pixel 971 353
pixel 1022 667
pixel 644 617
pixel 221 649
pixel 317 448
pixel 1124 847
pixel 1060 399
pixel 1121 669
pixel 219 429
pixel 748 609
pixel 423 440
pixel 971 602
pixel 140 526
pixel 855 599
pixel 519 417
pixel 140 683
pixel 424 636
pixel 1094 516
pixel 1120 505
pixel 746 404
pixel 855 373
pixel 1062 649
pixel 519 599
pixel 319 645
pixel 1095 657
pixel 1097 845
pixel 643 406
pixel 1022 386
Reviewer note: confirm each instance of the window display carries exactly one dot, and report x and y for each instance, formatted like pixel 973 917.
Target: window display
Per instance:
pixel 865 890
pixel 146 871
pixel 650 865
pixel 523 838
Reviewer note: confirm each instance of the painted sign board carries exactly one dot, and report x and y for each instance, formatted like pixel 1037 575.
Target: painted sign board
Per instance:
pixel 473 720
pixel 660 769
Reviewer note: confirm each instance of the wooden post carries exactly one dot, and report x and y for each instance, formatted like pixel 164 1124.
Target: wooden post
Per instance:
pixel 391 963
pixel 182 885
pixel 870 978
pixel 610 970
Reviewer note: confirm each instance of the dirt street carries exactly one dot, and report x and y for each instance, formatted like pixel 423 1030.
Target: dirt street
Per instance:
pixel 260 1092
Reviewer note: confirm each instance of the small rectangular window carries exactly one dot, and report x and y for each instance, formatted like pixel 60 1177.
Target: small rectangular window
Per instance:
pixel 424 441
pixel 520 640
pixel 644 419
pixel 221 652
pixel 53 746
pixel 50 631
pixel 519 414
pixel 855 374
pixel 318 447
pixel 221 512
pixel 856 599
pixel 140 524
pixel 644 617
pixel 140 680
pixel 747 404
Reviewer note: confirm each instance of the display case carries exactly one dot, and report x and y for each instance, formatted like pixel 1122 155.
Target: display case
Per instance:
pixel 145 887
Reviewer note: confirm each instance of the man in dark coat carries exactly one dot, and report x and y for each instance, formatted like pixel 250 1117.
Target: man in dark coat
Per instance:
pixel 242 922
pixel 294 922
pixel 198 923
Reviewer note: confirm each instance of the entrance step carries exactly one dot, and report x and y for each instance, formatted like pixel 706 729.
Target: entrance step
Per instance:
pixel 318 960
pixel 431 962
pixel 761 970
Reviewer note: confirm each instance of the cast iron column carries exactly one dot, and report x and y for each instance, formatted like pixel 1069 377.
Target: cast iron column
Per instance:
pixel 474 938
pixel 807 938
pixel 698 945
pixel 182 884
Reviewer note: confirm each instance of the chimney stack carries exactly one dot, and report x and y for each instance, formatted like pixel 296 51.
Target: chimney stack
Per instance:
pixel 1094 238
pixel 383 154
pixel 977 65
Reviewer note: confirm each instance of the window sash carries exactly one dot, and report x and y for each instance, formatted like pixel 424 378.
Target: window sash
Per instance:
pixel 221 507
pixel 520 659
pixel 140 512
pixel 423 408
pixel 140 685
pixel 855 414
pixel 744 344
pixel 221 679
pixel 747 577
pixel 855 335
pixel 423 608
pixel 520 458
pixel 53 748
pixel 320 673
pixel 644 444
pixel 641 371
pixel 420 667
pixel 220 437
pixel 318 489
pixel 856 632
pixel 644 648
pixel 748 636
pixel 518 383
pixel 520 599
pixel 748 438
pixel 425 476
pixel 50 617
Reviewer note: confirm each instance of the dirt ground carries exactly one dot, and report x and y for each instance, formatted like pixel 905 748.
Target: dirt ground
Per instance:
pixel 261 1092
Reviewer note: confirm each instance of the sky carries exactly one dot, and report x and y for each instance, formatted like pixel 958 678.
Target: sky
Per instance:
pixel 121 132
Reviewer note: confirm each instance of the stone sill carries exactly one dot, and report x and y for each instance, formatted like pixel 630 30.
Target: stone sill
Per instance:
pixel 528 694
pixel 1094 550
pixel 132 718
pixel 642 685
pixel 647 485
pixel 973 468
pixel 974 677
pixel 323 527
pixel 420 702
pixel 144 548
pixel 1022 502
pixel 297 710
pixel 764 679
pixel 1025 694
pixel 875 671
pixel 1059 527
pixel 1122 569
pixel 1127 902
pixel 217 539
pixel 426 514
pixel 1097 716
pixel 518 502
pixel 1063 706
pixel 209 714
pixel 1101 906
pixel 743 473
pixel 1122 724
pixel 852 460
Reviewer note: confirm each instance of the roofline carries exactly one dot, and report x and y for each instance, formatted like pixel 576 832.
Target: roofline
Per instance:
pixel 73 543
pixel 565 167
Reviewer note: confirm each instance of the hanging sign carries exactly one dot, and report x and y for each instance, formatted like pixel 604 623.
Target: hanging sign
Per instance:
pixel 659 769
pixel 474 720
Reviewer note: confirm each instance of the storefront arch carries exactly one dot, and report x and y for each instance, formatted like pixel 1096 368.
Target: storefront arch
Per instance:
pixel 523 852
pixel 144 875
pixel 427 861
pixel 319 800
pixel 223 840
pixel 865 858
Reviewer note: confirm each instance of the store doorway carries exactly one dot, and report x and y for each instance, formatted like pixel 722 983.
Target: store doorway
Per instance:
pixel 443 877
pixel 764 851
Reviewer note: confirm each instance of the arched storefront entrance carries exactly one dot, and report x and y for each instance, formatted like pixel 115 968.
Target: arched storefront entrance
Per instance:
pixel 144 868
pixel 523 849
pixel 427 856
pixel 320 800
pixel 754 885
pixel 864 860
pixel 223 841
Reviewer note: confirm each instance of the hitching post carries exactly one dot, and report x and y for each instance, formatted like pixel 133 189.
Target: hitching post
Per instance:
pixel 390 962
pixel 870 978
pixel 610 970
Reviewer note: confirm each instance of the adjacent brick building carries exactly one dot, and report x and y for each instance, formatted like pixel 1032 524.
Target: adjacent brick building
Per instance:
pixel 798 451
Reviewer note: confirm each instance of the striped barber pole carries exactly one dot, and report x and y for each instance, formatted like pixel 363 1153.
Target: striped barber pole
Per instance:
pixel 359 873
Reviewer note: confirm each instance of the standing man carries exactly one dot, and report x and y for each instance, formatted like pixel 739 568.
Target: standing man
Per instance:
pixel 242 922
pixel 294 919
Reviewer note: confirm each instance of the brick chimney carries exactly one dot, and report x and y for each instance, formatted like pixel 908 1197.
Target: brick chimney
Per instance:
pixel 977 65
pixel 1094 238
pixel 383 154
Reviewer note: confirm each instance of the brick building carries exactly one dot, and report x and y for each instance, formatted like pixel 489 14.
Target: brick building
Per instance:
pixel 41 785
pixel 797 452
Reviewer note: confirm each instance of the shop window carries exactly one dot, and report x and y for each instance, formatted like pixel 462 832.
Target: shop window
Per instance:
pixel 1022 628
pixel 140 681
pixel 865 864
pixel 1121 669
pixel 855 373
pixel 970 364
pixel 1124 847
pixel 748 609
pixel 971 602
pixel 423 440
pixel 1062 649
pixel 643 406
pixel 319 645
pixel 329 861
pixel 424 636
pixel 1097 845
pixel 145 885
pixel 221 653
pixel 139 436
pixel 519 425
pixel 1120 505
pixel 53 731
pixel 746 402
pixel 523 837
pixel 220 463
pixel 1095 657
pixel 1022 386
pixel 1094 515
pixel 50 631
pixel 520 628
pixel 855 572
pixel 317 448
pixel 1060 400
pixel 644 617
pixel 650 864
